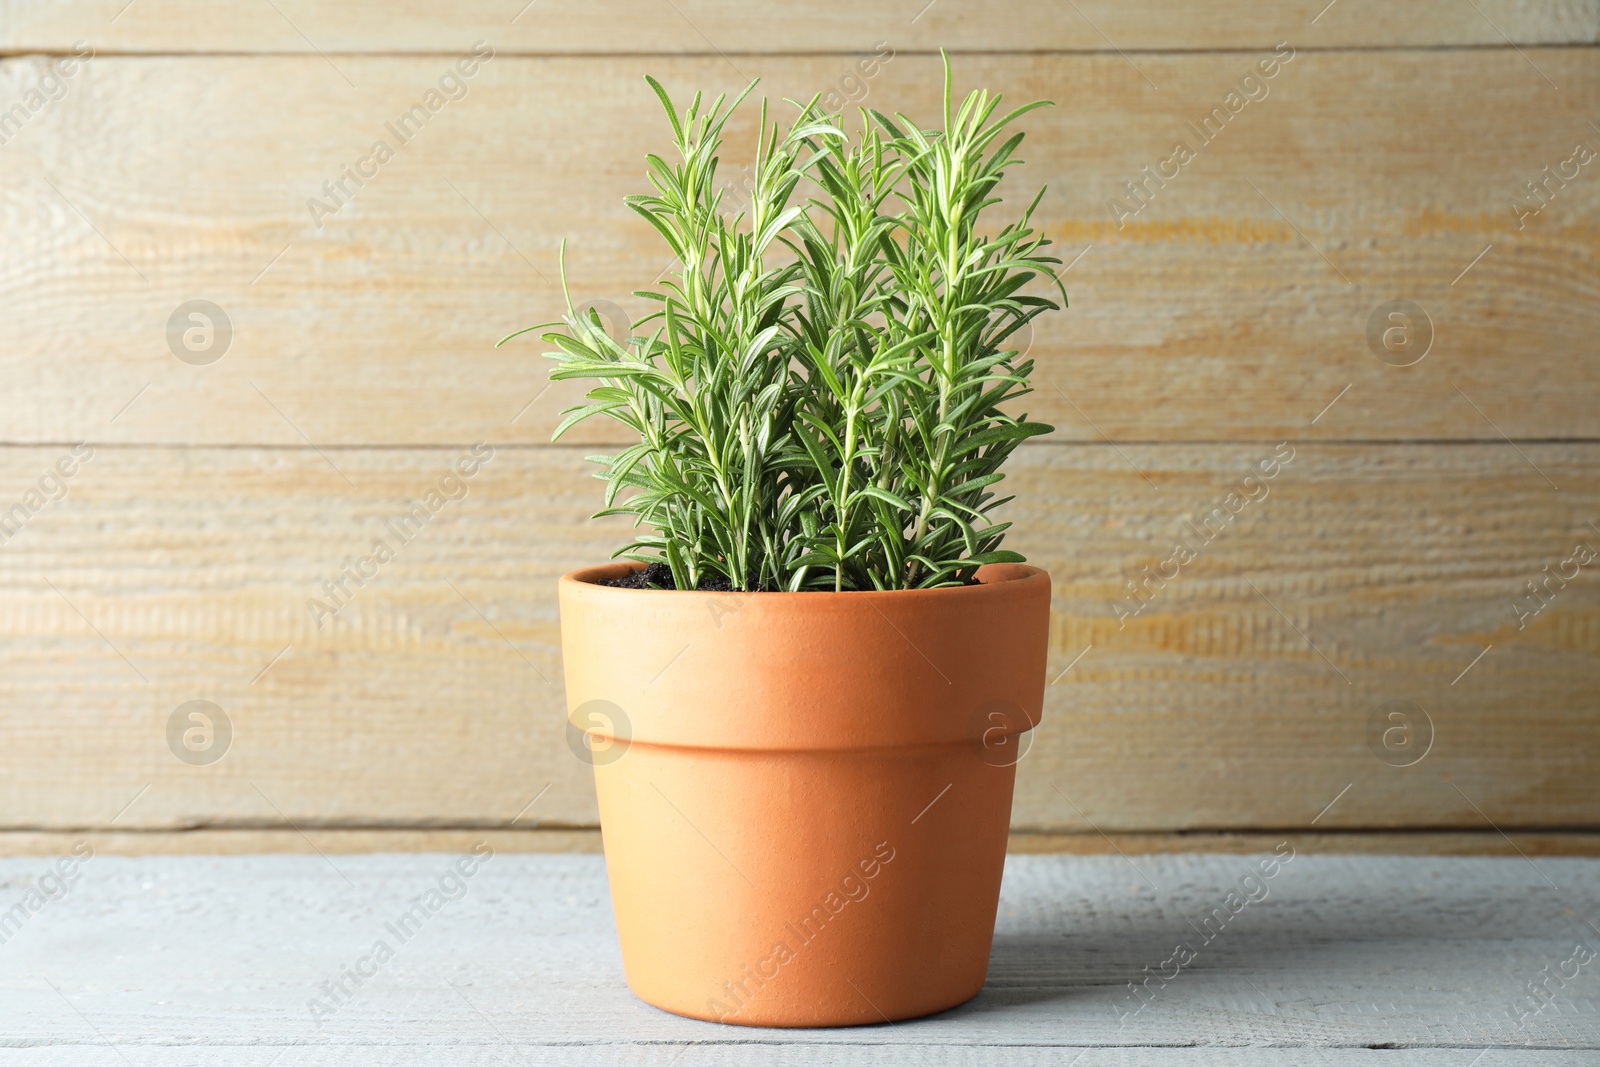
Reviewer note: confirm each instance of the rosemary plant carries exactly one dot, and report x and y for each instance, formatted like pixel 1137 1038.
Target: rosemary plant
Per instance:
pixel 821 395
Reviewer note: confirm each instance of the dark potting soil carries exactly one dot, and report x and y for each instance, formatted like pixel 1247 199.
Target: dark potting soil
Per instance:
pixel 659 576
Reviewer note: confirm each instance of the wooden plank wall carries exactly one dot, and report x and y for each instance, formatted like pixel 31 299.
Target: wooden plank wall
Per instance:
pixel 1220 318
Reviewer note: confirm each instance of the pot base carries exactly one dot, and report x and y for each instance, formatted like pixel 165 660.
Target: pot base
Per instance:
pixel 805 888
pixel 783 1021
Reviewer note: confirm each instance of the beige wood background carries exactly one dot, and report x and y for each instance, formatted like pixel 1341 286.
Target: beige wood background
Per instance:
pixel 1224 318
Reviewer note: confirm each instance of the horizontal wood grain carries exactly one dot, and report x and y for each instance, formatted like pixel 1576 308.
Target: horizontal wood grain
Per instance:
pixel 1240 698
pixel 612 26
pixel 547 839
pixel 288 840
pixel 1233 307
pixel 1369 575
pixel 1386 842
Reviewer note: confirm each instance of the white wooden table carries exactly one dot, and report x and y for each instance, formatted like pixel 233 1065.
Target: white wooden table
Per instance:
pixel 1347 960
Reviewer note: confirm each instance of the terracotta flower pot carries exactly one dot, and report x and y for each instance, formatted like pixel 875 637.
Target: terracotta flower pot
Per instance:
pixel 805 797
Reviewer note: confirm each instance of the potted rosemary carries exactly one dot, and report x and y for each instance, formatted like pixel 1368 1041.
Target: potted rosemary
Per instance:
pixel 803 690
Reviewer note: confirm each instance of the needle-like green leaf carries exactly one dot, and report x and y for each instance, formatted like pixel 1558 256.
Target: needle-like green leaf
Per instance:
pixel 821 386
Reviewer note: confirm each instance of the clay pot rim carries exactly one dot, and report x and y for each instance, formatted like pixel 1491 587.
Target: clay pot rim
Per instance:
pixel 990 577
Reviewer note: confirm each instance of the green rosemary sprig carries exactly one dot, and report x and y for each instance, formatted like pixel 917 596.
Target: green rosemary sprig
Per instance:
pixel 821 397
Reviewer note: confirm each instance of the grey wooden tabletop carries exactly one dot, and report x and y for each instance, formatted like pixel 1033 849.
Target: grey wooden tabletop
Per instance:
pixel 1459 962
